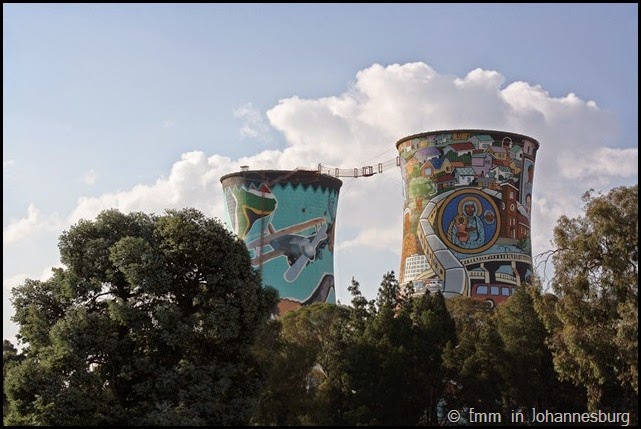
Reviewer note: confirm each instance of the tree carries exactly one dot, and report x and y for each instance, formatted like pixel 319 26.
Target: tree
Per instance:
pixel 530 379
pixel 10 356
pixel 385 346
pixel 151 323
pixel 475 364
pixel 344 350
pixel 385 358
pixel 295 393
pixel 433 331
pixel 593 320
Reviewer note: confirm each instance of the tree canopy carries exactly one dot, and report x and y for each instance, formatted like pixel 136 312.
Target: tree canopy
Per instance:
pixel 593 315
pixel 151 323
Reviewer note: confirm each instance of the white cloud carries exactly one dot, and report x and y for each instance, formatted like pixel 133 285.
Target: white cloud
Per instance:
pixel 194 181
pixel 254 124
pixel 13 281
pixel 90 177
pixel 168 123
pixel 33 223
pixel 490 79
pixel 611 162
pixel 377 238
pixel 17 279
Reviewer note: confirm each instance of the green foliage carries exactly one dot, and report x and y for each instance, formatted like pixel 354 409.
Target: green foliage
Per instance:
pixel 475 364
pixel 151 323
pixel 298 372
pixel 530 379
pixel 433 330
pixel 594 320
pixel 376 362
pixel 10 357
pixel 500 362
pixel 530 363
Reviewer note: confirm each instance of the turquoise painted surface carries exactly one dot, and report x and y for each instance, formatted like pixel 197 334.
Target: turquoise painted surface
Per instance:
pixel 289 232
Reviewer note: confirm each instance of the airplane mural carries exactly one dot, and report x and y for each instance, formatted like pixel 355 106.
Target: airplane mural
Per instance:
pixel 298 249
pixel 286 219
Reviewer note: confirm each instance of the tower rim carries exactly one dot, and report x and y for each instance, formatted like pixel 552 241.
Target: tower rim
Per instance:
pixel 468 130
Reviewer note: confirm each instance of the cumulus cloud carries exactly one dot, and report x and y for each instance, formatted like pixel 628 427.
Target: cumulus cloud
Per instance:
pixel 387 238
pixel 578 149
pixel 17 279
pixel 13 281
pixel 254 124
pixel 610 162
pixel 194 181
pixel 33 223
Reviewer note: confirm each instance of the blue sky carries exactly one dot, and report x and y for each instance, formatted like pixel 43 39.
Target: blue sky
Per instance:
pixel 145 106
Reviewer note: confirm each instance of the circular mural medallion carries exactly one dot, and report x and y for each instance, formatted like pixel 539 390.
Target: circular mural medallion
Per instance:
pixel 468 221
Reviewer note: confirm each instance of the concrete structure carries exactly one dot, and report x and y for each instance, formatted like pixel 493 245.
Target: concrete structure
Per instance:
pixel 467 209
pixel 287 219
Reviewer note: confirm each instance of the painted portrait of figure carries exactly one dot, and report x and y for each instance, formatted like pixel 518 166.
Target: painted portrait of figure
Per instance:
pixel 468 220
pixel 467 230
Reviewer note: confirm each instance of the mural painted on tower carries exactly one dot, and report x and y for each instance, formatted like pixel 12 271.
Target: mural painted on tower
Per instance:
pixel 466 223
pixel 287 219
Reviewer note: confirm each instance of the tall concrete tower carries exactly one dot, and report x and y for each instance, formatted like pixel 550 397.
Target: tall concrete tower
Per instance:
pixel 466 219
pixel 287 220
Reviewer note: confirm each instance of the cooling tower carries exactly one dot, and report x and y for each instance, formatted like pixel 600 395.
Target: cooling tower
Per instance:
pixel 286 219
pixel 466 221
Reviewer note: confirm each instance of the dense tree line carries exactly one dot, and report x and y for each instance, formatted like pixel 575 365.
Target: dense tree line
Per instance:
pixel 407 361
pixel 160 320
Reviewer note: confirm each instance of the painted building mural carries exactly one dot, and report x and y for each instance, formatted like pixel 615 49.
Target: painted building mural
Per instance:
pixel 466 219
pixel 287 219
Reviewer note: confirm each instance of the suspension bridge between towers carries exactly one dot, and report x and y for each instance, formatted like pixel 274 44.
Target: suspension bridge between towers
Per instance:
pixel 365 171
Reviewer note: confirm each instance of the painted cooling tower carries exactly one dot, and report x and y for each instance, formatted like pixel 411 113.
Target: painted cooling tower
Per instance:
pixel 286 219
pixel 466 221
